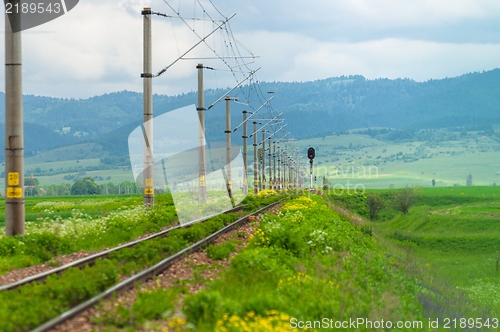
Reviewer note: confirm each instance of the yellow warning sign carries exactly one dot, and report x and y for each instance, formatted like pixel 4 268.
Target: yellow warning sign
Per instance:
pixel 13 179
pixel 149 191
pixel 149 182
pixel 14 192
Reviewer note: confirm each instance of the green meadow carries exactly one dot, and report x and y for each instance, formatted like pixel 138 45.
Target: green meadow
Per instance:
pixel 359 160
pixel 449 241
pixel 116 176
pixel 41 207
pixel 347 160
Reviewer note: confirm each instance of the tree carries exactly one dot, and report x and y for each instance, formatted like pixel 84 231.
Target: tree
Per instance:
pixel 404 198
pixel 63 189
pixel 87 186
pixel 31 186
pixel 92 187
pixel 375 204
pixel 78 188
pixel 433 182
pixel 31 191
pixel 31 182
pixel 109 188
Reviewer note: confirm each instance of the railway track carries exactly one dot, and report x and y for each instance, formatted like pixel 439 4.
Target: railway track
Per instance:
pixel 90 260
pixel 139 277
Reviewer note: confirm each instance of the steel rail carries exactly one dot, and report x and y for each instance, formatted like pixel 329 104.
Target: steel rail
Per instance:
pixel 90 260
pixel 146 274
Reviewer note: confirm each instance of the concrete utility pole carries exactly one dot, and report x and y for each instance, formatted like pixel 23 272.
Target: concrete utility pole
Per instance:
pixel 148 175
pixel 202 171
pixel 279 169
pixel 270 166
pixel 255 162
pixel 263 159
pixel 283 169
pixel 275 186
pixel 245 154
pixel 283 174
pixel 14 135
pixel 228 146
pixel 296 175
pixel 287 172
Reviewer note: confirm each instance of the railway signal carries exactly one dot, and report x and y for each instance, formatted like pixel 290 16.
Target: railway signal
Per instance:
pixel 311 153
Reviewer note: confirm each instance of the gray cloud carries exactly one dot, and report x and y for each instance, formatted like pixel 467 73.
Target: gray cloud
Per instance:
pixel 97 47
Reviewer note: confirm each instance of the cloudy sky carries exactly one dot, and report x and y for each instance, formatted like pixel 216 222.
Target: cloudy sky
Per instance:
pixel 97 47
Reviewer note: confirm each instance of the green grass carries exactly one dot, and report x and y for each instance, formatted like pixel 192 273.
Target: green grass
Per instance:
pixel 401 163
pixel 64 225
pixel 74 224
pixel 395 164
pixel 33 211
pixel 307 263
pixel 149 305
pixel 450 240
pixel 58 165
pixel 60 293
pixel 71 167
pixel 69 153
pixel 222 251
pixel 74 286
pixel 116 176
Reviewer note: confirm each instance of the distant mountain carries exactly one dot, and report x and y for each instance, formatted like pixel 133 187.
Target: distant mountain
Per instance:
pixel 344 103
pixel 310 108
pixel 36 138
pixel 331 105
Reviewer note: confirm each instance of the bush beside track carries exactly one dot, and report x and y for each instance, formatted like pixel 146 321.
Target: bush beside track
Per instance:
pixel 59 293
pixel 308 263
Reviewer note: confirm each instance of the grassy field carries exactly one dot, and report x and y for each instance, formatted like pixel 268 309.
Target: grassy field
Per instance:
pixel 73 152
pixel 447 248
pixel 360 160
pixel 450 241
pixel 39 207
pixel 80 231
pixel 115 176
pixel 347 160
pixel 304 264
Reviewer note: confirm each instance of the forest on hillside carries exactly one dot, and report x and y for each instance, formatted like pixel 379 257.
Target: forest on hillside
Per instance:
pixel 311 109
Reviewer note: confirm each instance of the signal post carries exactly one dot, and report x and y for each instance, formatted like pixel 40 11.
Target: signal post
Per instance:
pixel 311 153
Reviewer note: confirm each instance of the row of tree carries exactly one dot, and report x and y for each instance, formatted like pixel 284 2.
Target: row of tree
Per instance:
pixel 85 186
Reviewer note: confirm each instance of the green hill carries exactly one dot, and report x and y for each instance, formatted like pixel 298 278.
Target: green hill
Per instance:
pixel 311 109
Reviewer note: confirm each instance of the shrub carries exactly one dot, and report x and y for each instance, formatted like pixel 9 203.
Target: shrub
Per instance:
pixel 404 198
pixel 375 204
pixel 220 252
